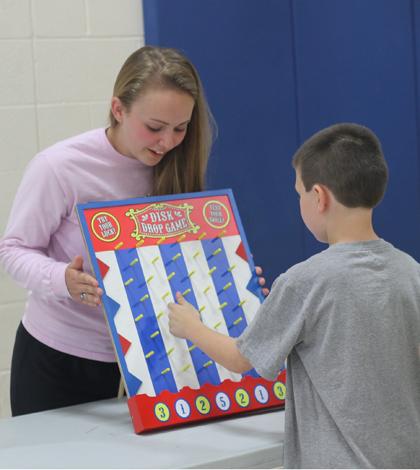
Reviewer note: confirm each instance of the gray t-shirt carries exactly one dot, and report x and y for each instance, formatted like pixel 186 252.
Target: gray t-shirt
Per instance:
pixel 348 322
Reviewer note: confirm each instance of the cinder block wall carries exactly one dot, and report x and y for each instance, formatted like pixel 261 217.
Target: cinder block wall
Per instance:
pixel 59 59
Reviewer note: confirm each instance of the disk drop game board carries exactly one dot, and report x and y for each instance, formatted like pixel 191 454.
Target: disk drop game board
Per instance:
pixel 145 250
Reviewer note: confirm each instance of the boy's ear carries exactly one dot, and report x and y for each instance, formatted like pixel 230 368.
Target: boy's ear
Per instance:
pixel 322 197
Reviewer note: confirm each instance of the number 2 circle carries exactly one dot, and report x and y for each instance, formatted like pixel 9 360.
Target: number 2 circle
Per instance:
pixel 202 404
pixel 242 397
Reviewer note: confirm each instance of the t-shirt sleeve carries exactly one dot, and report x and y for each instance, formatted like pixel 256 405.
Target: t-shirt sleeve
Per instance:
pixel 277 327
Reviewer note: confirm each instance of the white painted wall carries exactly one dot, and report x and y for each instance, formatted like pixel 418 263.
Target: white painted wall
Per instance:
pixel 58 62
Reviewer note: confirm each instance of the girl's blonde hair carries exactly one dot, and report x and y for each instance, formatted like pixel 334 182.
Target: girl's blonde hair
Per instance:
pixel 182 169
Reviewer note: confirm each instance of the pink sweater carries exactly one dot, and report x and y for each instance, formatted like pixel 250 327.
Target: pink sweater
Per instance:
pixel 43 236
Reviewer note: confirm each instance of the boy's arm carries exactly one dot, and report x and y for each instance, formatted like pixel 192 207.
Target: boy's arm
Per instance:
pixel 184 322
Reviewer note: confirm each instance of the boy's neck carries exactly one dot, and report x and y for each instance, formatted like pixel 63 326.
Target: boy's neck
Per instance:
pixel 351 225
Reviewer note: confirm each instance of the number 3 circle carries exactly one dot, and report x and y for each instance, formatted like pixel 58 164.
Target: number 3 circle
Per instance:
pixel 280 390
pixel 162 412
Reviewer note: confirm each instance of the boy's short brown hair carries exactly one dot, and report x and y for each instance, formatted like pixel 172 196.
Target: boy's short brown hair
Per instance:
pixel 347 158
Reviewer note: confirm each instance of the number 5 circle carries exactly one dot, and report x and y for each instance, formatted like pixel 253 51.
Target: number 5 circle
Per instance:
pixel 222 401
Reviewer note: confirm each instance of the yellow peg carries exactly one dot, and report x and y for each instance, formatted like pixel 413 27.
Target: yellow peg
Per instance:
pixel 186 291
pixel 135 260
pixel 145 296
pixel 238 320
pixel 161 240
pixel 217 251
pixel 202 235
pixel 165 371
pixel 179 239
pixel 139 317
pixel 128 281
pixel 178 255
pixel 224 304
pixel 226 287
pixel 212 270
pixel 171 275
pixel 118 245
pixel 149 354
pixel 185 368
pixel 140 242
pixel 156 333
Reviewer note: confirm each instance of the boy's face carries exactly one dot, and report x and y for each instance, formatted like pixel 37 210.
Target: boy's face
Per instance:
pixel 309 209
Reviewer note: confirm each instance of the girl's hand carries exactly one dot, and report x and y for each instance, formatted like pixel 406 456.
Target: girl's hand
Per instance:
pixel 83 288
pixel 261 280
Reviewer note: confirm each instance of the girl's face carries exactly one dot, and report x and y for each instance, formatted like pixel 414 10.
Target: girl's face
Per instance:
pixel 156 123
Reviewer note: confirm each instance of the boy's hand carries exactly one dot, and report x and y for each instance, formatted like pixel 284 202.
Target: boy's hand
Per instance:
pixel 184 322
pixel 183 318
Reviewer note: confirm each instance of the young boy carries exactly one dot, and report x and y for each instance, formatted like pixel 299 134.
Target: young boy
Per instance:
pixel 346 319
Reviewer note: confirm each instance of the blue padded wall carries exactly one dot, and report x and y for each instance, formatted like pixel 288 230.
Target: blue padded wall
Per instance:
pixel 355 62
pixel 275 71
